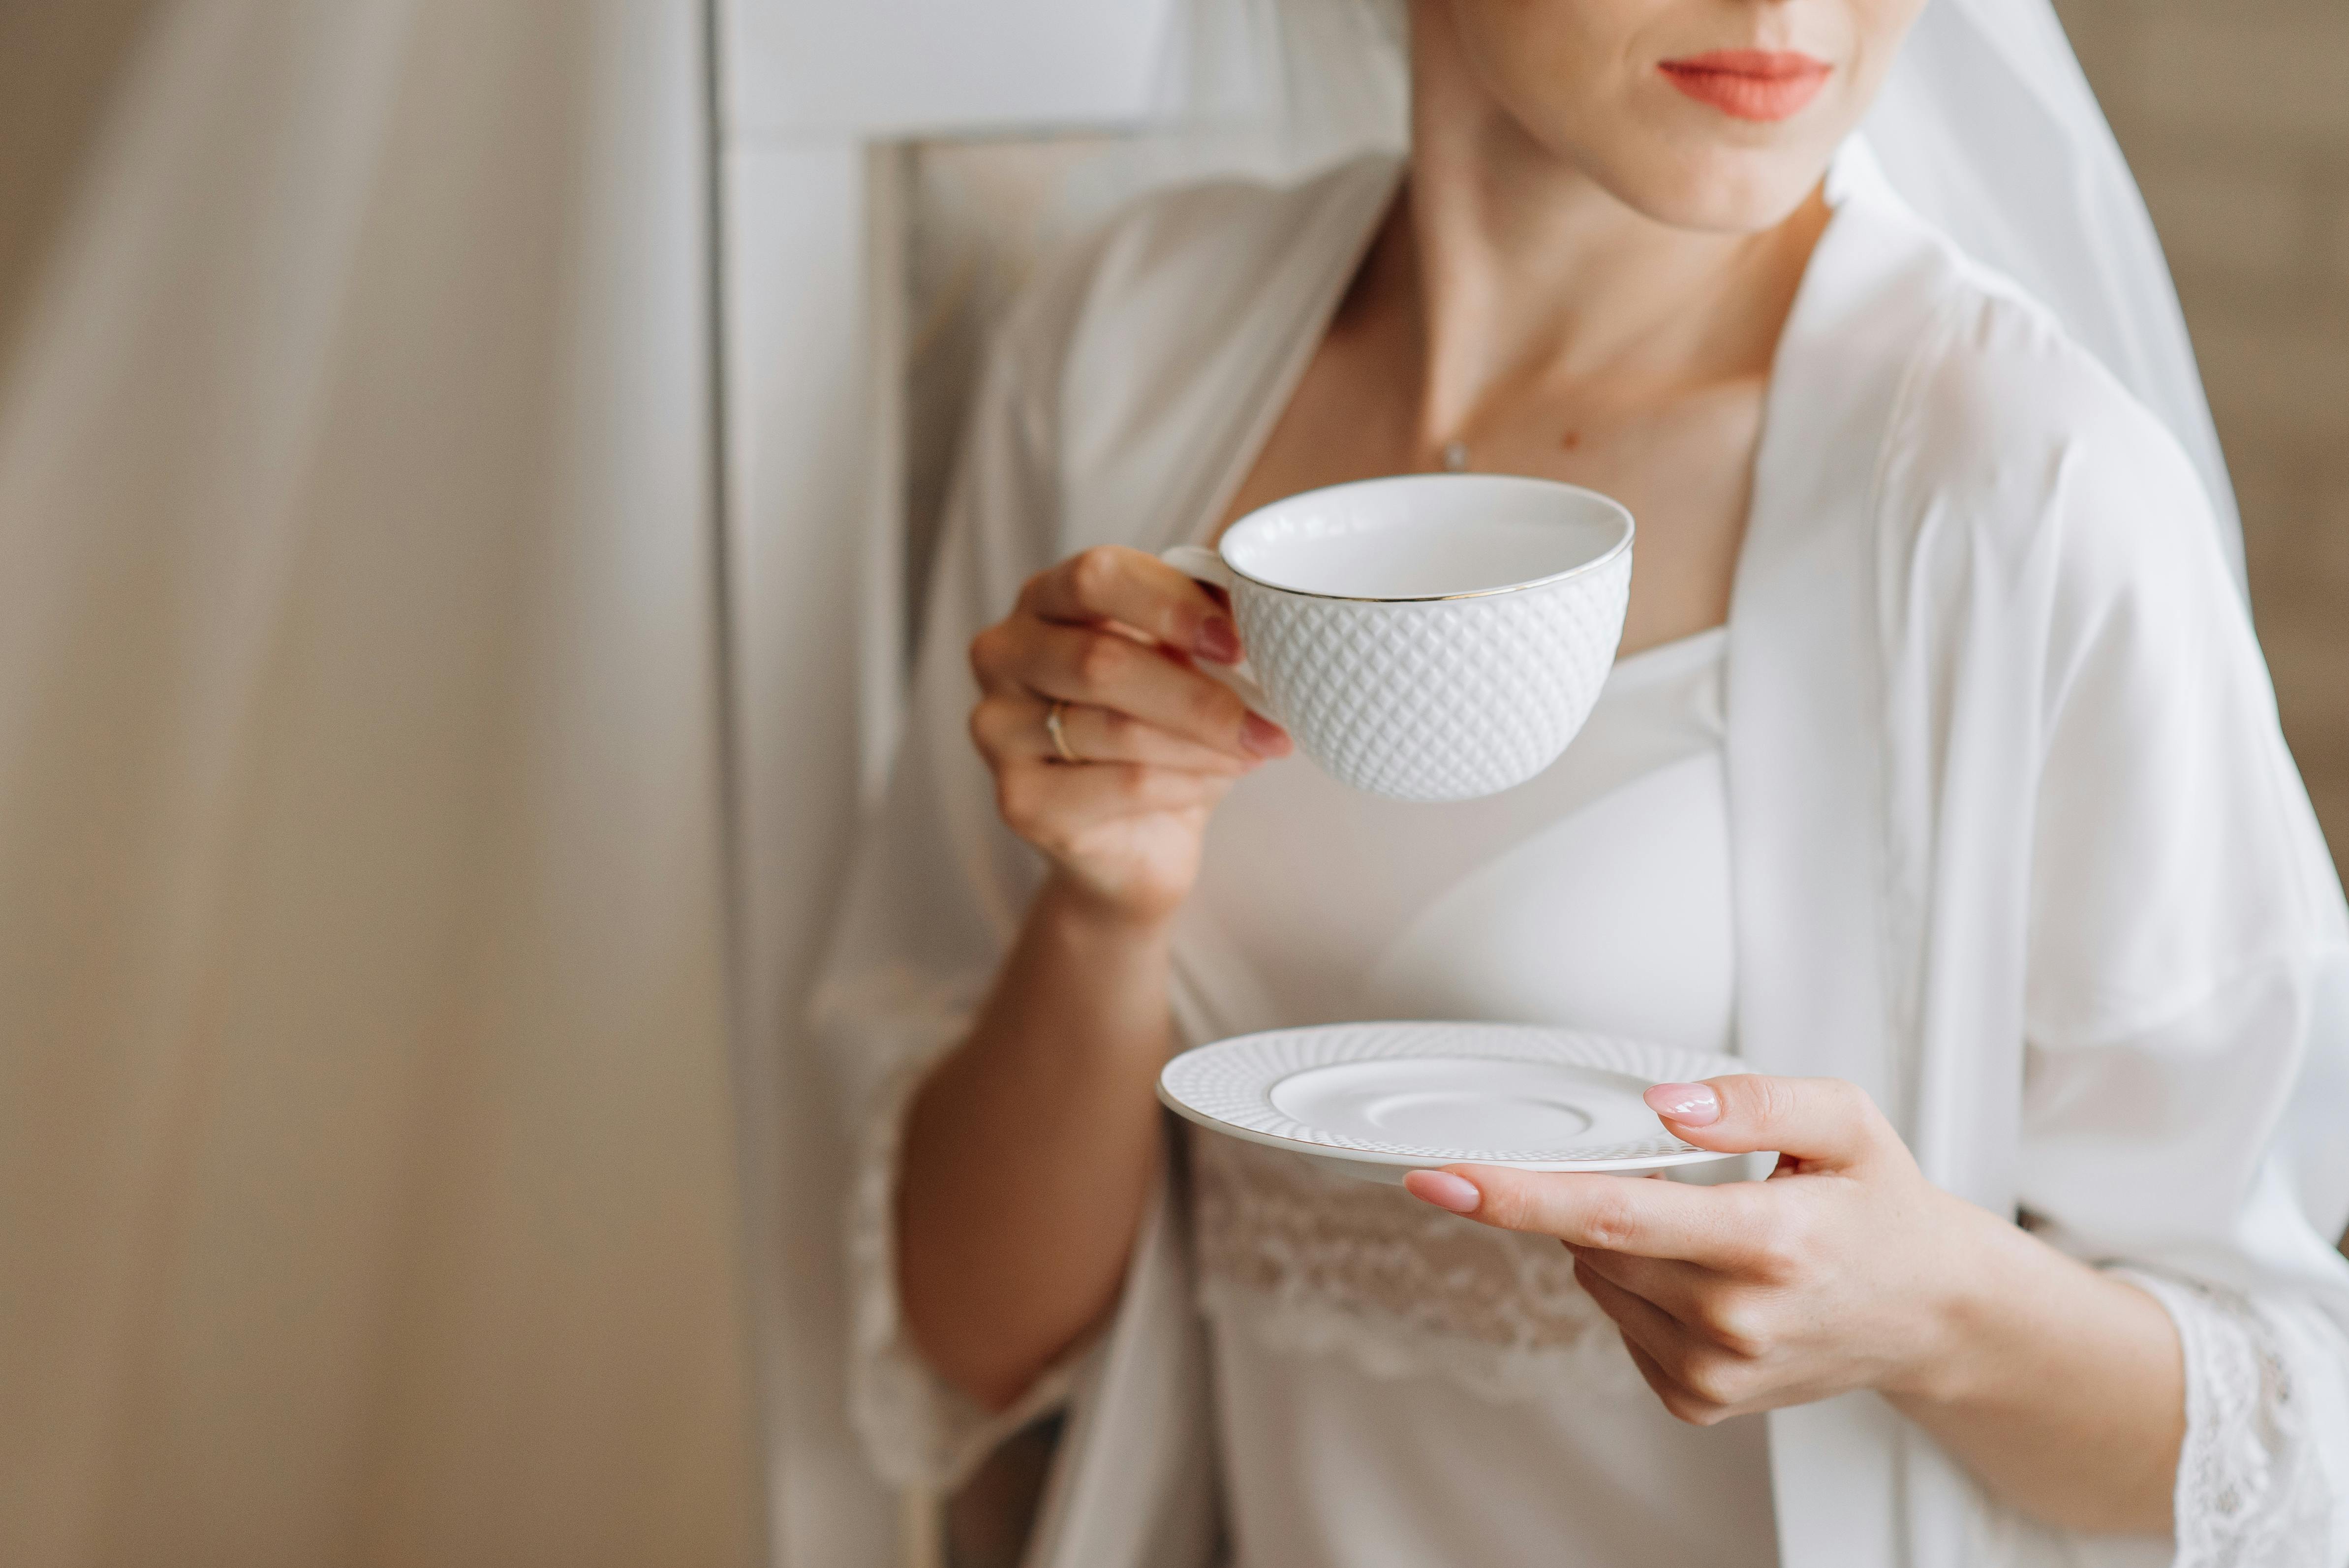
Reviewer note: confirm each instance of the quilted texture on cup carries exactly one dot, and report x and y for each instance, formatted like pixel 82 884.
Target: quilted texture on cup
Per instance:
pixel 1443 699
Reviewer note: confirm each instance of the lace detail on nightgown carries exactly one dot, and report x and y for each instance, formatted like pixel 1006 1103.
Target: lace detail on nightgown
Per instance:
pixel 1315 1263
pixel 2251 1491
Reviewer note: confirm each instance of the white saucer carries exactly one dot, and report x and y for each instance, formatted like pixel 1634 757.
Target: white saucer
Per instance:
pixel 1376 1101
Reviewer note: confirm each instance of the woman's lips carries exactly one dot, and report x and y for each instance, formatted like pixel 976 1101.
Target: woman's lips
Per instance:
pixel 1752 84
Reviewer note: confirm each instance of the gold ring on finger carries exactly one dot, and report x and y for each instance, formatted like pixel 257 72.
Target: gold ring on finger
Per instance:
pixel 1060 739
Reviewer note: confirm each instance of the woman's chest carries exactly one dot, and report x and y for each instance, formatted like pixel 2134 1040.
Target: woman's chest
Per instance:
pixel 1682 464
pixel 1596 896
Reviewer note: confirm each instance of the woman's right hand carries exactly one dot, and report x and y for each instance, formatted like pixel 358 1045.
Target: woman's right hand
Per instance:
pixel 1111 634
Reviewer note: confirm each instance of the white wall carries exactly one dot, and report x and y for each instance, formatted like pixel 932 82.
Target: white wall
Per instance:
pixel 817 98
pixel 797 388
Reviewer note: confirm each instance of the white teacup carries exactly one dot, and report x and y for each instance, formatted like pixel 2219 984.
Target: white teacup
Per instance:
pixel 1432 637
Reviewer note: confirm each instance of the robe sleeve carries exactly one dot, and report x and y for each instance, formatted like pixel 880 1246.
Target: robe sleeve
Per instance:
pixel 937 891
pixel 2188 1073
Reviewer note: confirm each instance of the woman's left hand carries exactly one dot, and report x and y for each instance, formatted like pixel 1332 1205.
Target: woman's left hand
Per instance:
pixel 1847 1269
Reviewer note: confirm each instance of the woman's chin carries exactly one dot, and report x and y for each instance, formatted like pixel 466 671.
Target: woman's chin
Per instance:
pixel 1715 188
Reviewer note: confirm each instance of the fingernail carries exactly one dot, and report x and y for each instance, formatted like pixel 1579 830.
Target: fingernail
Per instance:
pixel 1693 1103
pixel 1443 1190
pixel 1263 736
pixel 1218 640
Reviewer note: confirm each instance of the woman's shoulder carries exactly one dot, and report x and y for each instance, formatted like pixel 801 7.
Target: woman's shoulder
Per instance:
pixel 2008 427
pixel 1178 258
pixel 1164 314
pixel 2000 375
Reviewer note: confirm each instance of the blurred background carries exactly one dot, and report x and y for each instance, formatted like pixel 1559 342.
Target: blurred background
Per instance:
pixel 2235 117
pixel 466 475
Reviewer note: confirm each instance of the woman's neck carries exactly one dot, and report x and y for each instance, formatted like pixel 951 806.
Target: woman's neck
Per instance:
pixel 1525 277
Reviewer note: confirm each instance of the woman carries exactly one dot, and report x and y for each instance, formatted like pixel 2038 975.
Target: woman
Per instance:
pixel 1970 830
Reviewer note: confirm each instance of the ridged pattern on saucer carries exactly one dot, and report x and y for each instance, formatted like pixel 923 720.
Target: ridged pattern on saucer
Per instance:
pixel 1231 1081
pixel 1443 699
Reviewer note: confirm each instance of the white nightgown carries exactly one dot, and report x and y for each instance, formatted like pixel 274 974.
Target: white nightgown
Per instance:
pixel 2013 841
pixel 1395 1384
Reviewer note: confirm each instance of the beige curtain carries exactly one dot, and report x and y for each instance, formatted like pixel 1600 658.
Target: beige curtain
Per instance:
pixel 368 1185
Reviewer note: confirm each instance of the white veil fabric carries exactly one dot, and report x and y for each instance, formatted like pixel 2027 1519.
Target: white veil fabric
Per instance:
pixel 1985 125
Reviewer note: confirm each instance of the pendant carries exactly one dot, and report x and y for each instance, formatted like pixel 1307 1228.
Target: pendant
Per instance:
pixel 1455 457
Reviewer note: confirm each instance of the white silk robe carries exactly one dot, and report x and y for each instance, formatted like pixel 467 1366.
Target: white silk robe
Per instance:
pixel 2016 846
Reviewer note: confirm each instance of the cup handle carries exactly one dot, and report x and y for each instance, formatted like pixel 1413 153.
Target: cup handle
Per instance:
pixel 1206 566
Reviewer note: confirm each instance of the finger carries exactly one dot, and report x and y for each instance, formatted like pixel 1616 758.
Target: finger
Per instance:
pixel 1644 1325
pixel 1659 1381
pixel 1104 735
pixel 1110 583
pixel 1677 1401
pixel 1682 1292
pixel 1079 664
pixel 1725 1310
pixel 1053 806
pixel 1007 728
pixel 1824 1123
pixel 1653 1219
pixel 1697 1382
pixel 1003 656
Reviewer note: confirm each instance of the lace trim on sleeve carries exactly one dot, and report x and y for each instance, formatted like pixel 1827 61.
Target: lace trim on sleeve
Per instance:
pixel 920 1430
pixel 2252 1489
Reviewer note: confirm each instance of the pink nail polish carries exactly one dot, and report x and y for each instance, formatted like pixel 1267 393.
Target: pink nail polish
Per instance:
pixel 1692 1103
pixel 1263 736
pixel 1217 640
pixel 1443 1190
